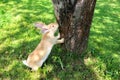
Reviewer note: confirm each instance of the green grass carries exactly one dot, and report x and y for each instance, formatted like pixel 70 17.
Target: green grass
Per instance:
pixel 18 38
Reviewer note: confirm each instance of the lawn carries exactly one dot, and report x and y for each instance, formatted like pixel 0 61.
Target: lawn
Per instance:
pixel 18 38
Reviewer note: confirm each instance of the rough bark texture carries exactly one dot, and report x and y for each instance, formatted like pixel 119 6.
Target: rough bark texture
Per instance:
pixel 74 18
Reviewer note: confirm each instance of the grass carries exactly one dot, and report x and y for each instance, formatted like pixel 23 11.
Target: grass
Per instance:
pixel 18 38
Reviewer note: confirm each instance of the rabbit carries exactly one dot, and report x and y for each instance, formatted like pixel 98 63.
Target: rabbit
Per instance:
pixel 42 51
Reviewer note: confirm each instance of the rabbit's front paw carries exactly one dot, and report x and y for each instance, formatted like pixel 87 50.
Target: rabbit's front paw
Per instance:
pixel 62 40
pixel 58 36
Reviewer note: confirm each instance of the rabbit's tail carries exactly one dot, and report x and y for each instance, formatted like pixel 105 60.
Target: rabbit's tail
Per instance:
pixel 25 62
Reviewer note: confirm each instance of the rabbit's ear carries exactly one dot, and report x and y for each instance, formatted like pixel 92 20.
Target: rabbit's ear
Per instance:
pixel 44 30
pixel 39 25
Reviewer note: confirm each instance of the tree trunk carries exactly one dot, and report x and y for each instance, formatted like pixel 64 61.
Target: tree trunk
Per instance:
pixel 74 18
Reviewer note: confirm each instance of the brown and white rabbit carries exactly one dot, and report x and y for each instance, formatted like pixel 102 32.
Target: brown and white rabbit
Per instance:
pixel 42 51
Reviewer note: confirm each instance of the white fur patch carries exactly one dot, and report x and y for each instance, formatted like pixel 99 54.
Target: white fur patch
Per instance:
pixel 25 62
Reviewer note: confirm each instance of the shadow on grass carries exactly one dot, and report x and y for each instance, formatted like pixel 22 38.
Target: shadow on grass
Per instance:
pixel 104 38
pixel 73 66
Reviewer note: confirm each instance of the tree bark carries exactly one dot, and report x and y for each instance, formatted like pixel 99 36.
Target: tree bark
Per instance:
pixel 74 18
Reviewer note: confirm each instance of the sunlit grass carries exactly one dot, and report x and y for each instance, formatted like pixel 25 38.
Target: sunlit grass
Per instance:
pixel 18 38
pixel 104 41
